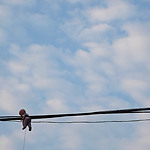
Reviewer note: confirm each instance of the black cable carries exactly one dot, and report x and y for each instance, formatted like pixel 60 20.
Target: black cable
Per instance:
pixel 89 122
pixel 121 111
pixel 92 122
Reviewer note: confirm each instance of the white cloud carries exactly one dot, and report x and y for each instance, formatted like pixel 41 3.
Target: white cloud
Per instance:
pixel 13 94
pixel 94 33
pixel 73 27
pixel 3 36
pixel 140 138
pixel 8 101
pixel 5 143
pixel 98 49
pixel 39 21
pixel 131 56
pixel 4 12
pixel 117 9
pixel 70 138
pixel 81 30
pixel 76 1
pixel 134 84
pixel 93 68
pixel 34 61
pixel 93 24
pixel 19 2
pixel 33 69
pixel 134 48
pixel 137 89
pixel 57 105
pixel 17 68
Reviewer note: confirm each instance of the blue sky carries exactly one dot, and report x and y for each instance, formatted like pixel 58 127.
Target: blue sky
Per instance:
pixel 64 56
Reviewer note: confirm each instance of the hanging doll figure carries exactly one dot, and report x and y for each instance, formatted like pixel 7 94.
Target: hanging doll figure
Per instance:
pixel 26 120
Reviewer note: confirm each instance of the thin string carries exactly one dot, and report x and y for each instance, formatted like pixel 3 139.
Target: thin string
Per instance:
pixel 24 140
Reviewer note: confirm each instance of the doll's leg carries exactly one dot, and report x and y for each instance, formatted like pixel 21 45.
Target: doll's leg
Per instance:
pixel 24 124
pixel 29 123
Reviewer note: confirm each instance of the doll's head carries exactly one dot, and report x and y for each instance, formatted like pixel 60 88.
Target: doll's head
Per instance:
pixel 21 112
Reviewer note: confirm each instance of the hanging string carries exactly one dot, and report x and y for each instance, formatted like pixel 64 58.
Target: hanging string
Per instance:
pixel 24 141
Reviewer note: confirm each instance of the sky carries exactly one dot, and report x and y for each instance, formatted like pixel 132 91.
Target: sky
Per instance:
pixel 67 56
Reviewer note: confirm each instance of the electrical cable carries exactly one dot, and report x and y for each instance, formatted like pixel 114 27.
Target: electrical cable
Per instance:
pixel 89 122
pixel 120 111
pixel 92 122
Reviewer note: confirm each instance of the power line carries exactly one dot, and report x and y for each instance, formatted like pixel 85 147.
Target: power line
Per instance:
pixel 119 111
pixel 92 122
pixel 89 122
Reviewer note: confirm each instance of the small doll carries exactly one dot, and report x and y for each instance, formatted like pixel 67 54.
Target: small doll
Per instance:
pixel 26 120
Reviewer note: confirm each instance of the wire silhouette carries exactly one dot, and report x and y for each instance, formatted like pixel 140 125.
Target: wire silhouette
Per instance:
pixel 92 122
pixel 89 122
pixel 120 111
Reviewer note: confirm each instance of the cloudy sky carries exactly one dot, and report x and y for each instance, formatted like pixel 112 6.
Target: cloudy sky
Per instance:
pixel 64 56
